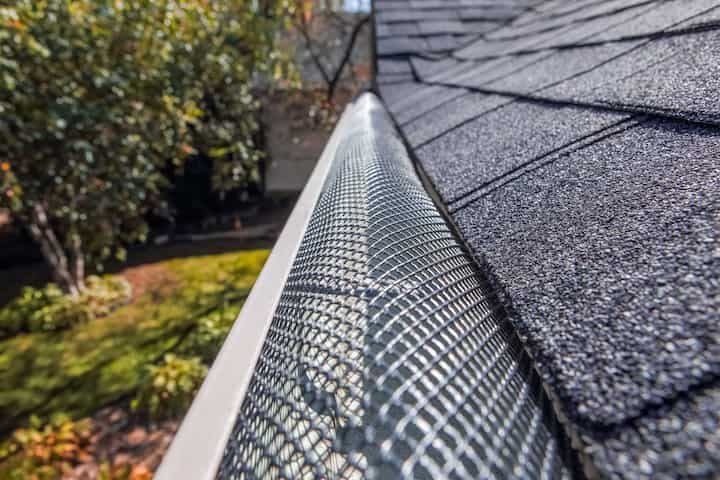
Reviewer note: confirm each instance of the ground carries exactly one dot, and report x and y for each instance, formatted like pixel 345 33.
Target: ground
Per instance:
pixel 120 442
pixel 95 369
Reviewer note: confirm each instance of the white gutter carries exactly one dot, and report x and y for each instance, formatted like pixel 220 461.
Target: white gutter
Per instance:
pixel 198 447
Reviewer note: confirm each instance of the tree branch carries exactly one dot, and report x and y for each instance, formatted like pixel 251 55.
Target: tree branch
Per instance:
pixel 331 80
pixel 302 27
pixel 332 85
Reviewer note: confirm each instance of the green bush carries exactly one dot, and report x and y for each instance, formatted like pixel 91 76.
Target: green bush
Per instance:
pixel 105 294
pixel 169 388
pixel 49 309
pixel 209 334
pixel 45 451
pixel 98 96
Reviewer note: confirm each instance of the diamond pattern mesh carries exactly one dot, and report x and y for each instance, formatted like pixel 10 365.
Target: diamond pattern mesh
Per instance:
pixel 385 357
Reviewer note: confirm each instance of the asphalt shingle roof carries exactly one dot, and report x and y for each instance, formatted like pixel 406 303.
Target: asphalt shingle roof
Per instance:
pixel 576 146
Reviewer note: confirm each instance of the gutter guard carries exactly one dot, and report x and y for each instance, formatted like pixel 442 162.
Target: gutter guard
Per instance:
pixel 198 446
pixel 383 356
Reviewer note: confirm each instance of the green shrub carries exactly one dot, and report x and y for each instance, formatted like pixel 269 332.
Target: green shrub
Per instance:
pixel 209 334
pixel 105 294
pixel 169 388
pixel 45 451
pixel 49 309
pixel 97 96
pixel 41 309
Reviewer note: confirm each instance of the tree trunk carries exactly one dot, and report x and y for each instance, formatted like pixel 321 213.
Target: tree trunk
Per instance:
pixel 56 258
pixel 78 261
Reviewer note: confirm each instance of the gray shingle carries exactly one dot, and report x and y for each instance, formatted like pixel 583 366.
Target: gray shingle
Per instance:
pixel 414 15
pixel 426 68
pixel 553 8
pixel 429 102
pixel 500 141
pixel 610 255
pixel 479 27
pixel 607 11
pixel 394 92
pixel 450 115
pixel 404 28
pixel 437 70
pixel 567 35
pixel 401 45
pixel 445 4
pixel 662 17
pixel 394 66
pixel 558 66
pixel 382 5
pixel 420 94
pixel 485 72
pixel 432 27
pixel 677 75
pixel 442 42
pixel 395 78
pixel 489 13
pixel 679 440
pixel 382 30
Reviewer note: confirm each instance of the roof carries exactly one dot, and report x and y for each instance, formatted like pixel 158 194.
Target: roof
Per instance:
pixel 576 147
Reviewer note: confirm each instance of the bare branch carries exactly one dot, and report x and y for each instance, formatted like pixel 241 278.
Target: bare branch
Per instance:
pixel 303 28
pixel 330 74
pixel 332 85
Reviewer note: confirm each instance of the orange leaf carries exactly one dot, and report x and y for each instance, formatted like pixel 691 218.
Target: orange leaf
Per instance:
pixel 15 24
pixel 140 472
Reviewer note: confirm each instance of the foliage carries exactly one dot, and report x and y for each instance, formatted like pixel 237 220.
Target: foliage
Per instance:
pixel 90 365
pixel 96 96
pixel 123 472
pixel 49 309
pixel 45 451
pixel 205 341
pixel 106 293
pixel 169 388
pixel 108 472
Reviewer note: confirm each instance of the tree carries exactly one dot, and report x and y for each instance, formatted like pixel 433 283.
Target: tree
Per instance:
pixel 308 18
pixel 96 96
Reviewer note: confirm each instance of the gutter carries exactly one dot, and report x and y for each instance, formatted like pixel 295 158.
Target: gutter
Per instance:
pixel 370 347
pixel 198 446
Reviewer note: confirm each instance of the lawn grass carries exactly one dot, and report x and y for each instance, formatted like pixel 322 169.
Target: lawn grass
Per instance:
pixel 77 371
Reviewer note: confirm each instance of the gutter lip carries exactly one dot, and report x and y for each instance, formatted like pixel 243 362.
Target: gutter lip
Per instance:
pixel 198 446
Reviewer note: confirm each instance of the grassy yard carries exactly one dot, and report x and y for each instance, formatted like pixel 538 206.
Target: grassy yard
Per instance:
pixel 80 370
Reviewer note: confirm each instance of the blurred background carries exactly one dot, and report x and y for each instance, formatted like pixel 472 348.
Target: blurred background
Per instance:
pixel 150 152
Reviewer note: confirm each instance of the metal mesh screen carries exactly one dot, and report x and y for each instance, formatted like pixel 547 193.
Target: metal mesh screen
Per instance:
pixel 385 358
